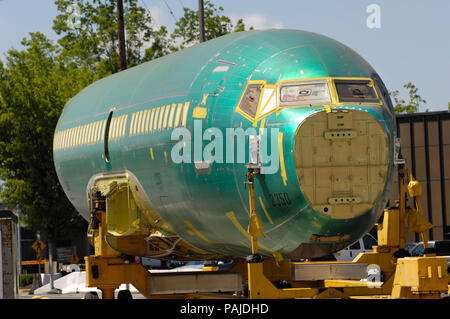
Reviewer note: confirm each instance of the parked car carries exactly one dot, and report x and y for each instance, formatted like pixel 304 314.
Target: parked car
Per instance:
pixel 154 263
pixel 363 245
pixel 441 247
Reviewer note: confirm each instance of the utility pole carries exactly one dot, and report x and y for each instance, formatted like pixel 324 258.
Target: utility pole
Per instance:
pixel 121 33
pixel 201 20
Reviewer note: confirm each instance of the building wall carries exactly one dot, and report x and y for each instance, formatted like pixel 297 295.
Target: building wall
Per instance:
pixel 425 144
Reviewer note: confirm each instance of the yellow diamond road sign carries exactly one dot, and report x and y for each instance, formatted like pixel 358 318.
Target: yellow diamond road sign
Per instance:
pixel 38 245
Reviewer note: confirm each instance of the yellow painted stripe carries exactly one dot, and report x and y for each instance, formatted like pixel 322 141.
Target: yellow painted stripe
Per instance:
pixel 69 142
pixel 185 113
pixel 236 223
pixel 69 145
pixel 88 132
pixel 125 118
pixel 265 211
pixel 199 234
pixel 71 138
pixel 117 128
pixel 59 140
pixel 146 121
pixel 85 128
pixel 178 115
pixel 103 130
pixel 155 123
pixel 91 133
pixel 131 124
pixel 280 151
pixel 161 116
pixel 111 128
pixel 172 112
pixel 100 130
pixel 86 138
pixel 165 157
pixel 205 96
pixel 94 134
pixel 75 136
pixel 261 128
pixel 141 122
pixel 98 126
pixel 136 123
pixel 80 135
pixel 166 115
pixel 120 126
pixel 151 154
pixel 67 138
pixel 151 120
pixel 64 139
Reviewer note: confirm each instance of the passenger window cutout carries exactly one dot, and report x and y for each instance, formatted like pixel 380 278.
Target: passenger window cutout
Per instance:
pixel 108 124
pixel 250 100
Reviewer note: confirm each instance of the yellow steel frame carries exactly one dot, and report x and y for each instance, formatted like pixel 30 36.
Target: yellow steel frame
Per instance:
pixel 407 277
pixel 106 270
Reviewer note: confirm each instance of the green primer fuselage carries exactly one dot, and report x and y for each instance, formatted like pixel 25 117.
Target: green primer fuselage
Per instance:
pixel 216 204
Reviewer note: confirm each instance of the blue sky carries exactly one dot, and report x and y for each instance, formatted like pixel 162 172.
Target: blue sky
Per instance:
pixel 412 44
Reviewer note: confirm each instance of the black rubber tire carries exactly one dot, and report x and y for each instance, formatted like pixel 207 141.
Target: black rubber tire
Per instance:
pixel 91 295
pixel 124 294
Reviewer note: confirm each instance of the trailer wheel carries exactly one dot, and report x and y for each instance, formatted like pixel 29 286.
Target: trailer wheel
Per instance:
pixel 124 294
pixel 91 295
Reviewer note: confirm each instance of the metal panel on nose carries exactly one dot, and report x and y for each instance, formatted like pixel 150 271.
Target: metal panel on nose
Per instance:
pixel 341 162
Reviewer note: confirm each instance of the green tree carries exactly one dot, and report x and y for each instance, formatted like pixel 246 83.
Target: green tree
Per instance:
pixel 35 84
pixel 412 106
pixel 216 25
pixel 94 41
pixel 161 45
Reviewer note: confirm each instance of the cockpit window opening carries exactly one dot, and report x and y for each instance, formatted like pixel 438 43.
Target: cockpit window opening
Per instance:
pixel 250 101
pixel 382 94
pixel 305 93
pixel 356 91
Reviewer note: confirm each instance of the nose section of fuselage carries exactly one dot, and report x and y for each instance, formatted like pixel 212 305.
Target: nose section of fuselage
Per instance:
pixel 341 161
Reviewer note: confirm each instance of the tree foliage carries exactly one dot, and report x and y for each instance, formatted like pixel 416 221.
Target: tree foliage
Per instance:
pixel 34 86
pixel 216 25
pixel 412 106
pixel 36 83
pixel 94 41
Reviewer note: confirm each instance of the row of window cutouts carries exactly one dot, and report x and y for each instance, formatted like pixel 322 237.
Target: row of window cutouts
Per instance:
pixel 142 122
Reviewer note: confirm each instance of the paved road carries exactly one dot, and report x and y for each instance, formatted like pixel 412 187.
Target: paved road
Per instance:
pixel 26 295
